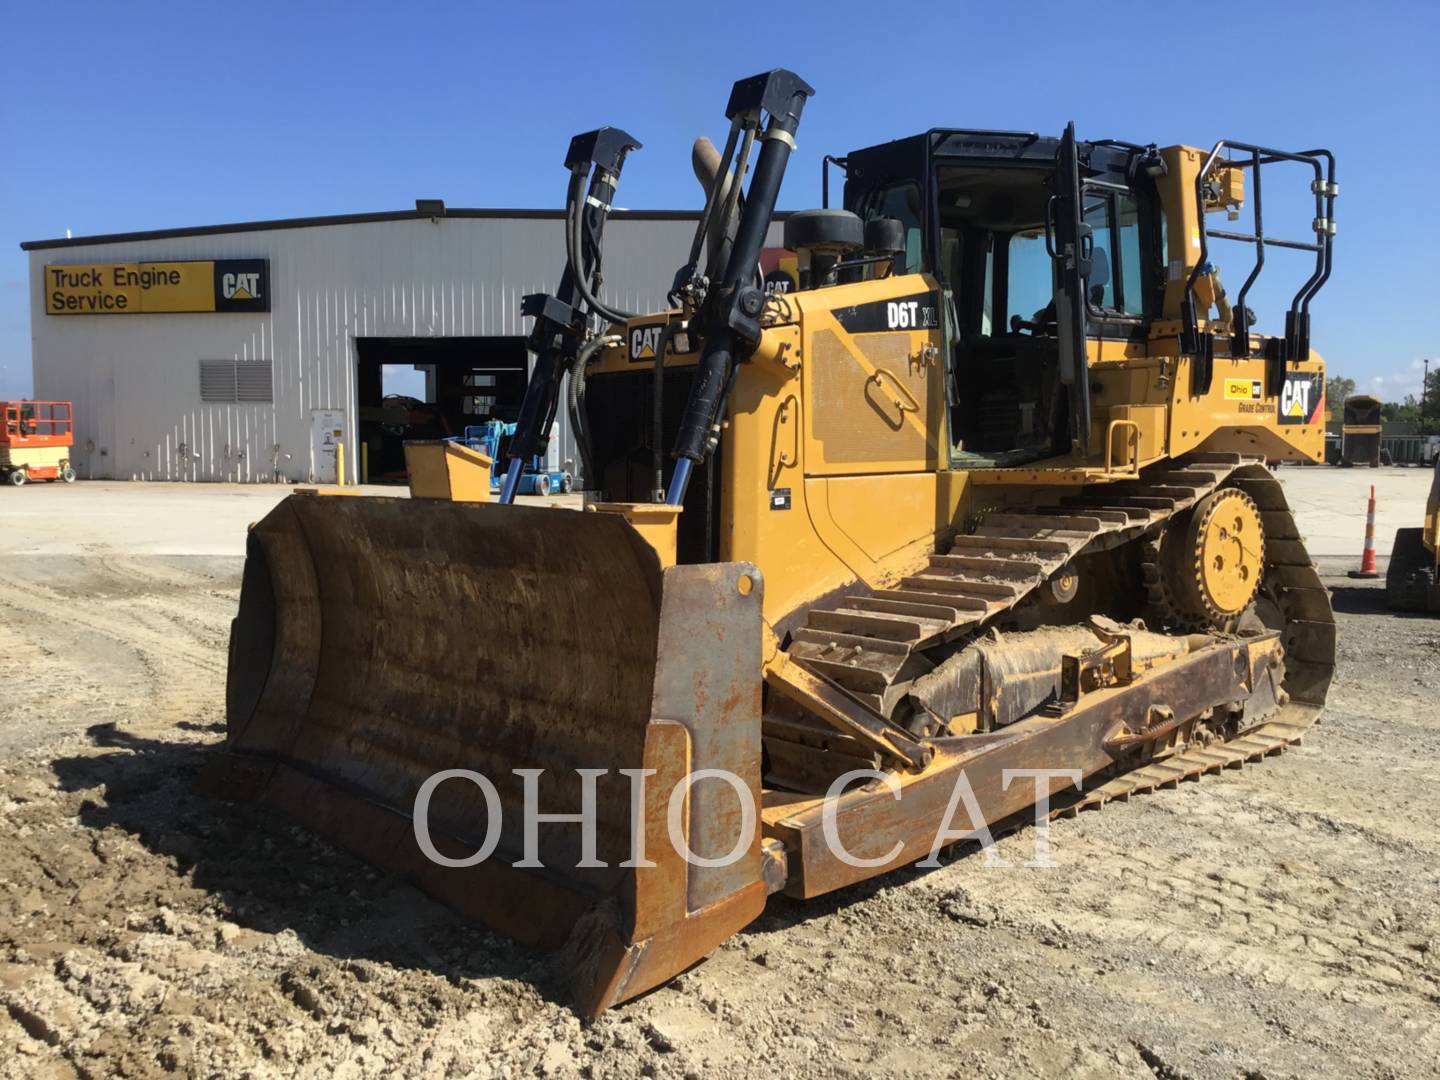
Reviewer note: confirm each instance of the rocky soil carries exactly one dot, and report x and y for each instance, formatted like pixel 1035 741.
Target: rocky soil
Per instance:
pixel 1278 921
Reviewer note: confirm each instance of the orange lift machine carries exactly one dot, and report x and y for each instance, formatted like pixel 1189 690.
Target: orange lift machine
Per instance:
pixel 35 441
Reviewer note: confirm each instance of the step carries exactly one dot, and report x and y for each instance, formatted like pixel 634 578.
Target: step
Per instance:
pixel 1038 545
pixel 1012 569
pixel 962 586
pixel 890 606
pixel 1118 500
pixel 1113 515
pixel 873 624
pixel 1039 526
pixel 853 674
pixel 1181 493
pixel 964 607
pixel 839 639
pixel 1185 477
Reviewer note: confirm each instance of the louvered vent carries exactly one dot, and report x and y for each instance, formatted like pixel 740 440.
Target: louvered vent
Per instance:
pixel 252 381
pixel 236 380
pixel 217 380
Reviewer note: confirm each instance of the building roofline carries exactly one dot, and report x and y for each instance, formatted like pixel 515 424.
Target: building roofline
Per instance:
pixel 347 219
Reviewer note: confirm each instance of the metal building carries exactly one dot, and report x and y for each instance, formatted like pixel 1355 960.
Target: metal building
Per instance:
pixel 236 352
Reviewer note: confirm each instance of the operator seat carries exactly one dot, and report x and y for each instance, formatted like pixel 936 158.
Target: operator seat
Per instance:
pixel 1099 277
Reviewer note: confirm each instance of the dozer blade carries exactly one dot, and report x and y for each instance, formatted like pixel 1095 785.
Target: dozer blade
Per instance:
pixel 381 641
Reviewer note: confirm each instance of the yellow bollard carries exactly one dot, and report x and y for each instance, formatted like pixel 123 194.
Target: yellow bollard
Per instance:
pixel 364 463
pixel 340 463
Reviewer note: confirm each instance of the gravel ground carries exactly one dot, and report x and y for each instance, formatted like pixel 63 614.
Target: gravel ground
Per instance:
pixel 1278 921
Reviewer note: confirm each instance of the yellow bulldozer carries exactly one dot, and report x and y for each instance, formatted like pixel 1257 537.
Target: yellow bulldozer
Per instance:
pixel 1412 580
pixel 969 520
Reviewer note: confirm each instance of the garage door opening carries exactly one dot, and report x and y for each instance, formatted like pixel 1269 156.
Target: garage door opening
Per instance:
pixel 432 388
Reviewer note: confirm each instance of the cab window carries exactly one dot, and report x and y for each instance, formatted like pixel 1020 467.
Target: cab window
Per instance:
pixel 1116 284
pixel 1127 226
pixel 1029 285
pixel 1100 285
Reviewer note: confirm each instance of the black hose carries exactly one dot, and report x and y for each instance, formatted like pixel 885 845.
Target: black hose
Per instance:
pixel 583 283
pixel 576 399
pixel 713 374
pixel 577 423
pixel 733 203
pixel 712 191
pixel 573 213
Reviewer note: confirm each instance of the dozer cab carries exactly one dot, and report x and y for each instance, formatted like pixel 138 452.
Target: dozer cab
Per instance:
pixel 974 517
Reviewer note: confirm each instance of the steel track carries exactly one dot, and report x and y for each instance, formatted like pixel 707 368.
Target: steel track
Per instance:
pixel 872 642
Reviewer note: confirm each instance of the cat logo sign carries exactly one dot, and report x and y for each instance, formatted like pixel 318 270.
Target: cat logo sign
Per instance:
pixel 781 268
pixel 1301 398
pixel 644 341
pixel 240 286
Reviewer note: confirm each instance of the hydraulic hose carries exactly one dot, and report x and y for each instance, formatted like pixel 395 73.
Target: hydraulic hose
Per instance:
pixel 574 214
pixel 657 420
pixel 720 257
pixel 713 190
pixel 576 397
pixel 714 374
pixel 561 319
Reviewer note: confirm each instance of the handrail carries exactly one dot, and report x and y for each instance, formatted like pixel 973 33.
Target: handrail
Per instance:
pixel 880 374
pixel 1132 443
pixel 37 419
pixel 1297 317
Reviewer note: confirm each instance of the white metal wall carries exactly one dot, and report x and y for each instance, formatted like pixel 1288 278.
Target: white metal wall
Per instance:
pixel 134 379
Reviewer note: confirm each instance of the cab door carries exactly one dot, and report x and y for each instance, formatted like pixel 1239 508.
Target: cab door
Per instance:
pixel 874 398
pixel 873 389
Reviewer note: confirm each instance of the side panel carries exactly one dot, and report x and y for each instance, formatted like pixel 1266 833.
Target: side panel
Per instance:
pixel 832 456
pixel 1177 201
pixel 879 516
pixel 873 399
pixel 763 500
pixel 1127 385
pixel 1236 415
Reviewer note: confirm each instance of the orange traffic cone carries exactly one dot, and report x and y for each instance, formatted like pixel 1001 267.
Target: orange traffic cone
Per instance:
pixel 1367 557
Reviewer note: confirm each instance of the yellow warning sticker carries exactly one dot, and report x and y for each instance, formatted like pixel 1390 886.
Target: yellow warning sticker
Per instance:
pixel 1243 390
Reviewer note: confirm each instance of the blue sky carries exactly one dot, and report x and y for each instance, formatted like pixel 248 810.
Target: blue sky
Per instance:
pixel 137 116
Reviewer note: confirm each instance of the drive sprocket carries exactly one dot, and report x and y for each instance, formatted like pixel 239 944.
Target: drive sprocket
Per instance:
pixel 1203 570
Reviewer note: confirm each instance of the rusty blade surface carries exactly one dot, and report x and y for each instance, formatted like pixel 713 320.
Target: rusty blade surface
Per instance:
pixel 380 641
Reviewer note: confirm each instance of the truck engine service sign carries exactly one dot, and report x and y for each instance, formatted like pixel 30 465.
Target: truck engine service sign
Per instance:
pixel 158 287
